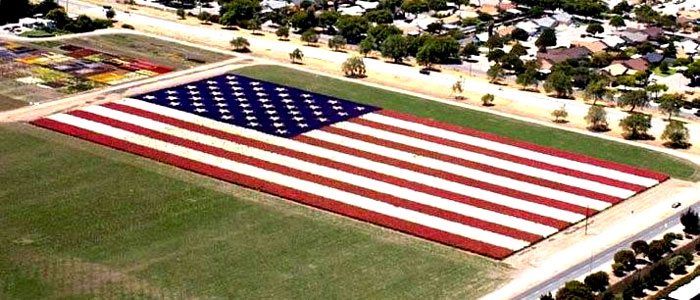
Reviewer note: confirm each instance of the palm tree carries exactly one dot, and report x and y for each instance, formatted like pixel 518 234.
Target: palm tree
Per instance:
pixel 296 55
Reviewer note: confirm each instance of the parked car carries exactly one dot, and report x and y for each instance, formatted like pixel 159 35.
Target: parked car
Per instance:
pixel 424 71
pixel 676 205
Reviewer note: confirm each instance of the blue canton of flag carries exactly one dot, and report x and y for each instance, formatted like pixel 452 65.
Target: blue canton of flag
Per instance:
pixel 262 106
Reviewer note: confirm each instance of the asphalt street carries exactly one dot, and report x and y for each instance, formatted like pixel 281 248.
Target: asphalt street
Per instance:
pixel 601 258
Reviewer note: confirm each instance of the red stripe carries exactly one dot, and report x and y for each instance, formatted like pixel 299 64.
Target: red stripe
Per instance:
pixel 518 160
pixel 397 181
pixel 311 177
pixel 402 147
pixel 529 146
pixel 279 190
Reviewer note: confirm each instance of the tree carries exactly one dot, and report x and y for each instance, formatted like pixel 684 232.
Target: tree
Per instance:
pixel 180 13
pixel 337 42
pixel 487 100
pixel 354 67
pixel 547 296
pixel 469 50
pixel 626 258
pixel 296 55
pixel 395 47
pixel 634 99
pixel 597 281
pixel 597 118
pixel 575 290
pixel 617 21
pixel 560 82
pixel 11 11
pixel 635 126
pixel 495 55
pixel 239 43
pixel 657 249
pixel 328 18
pixel 671 104
pixel 596 90
pixel 659 274
pixel 304 20
pixel 494 41
pixel 382 31
pixel 352 27
pixel 669 238
pixel 595 28
pixel 457 87
pixel 676 134
pixel 204 17
pixel 59 17
pixel 437 4
pixel 618 269
pixel 547 38
pixel 518 50
pixel 414 6
pixel 236 12
pixel 655 89
pixel 677 264
pixel 671 50
pixel 309 37
pixel 282 32
pixel 622 8
pixel 366 45
pixel 512 62
pixel 495 72
pixel 640 247
pixel 519 34
pixel 110 13
pixel 690 221
pixel 380 16
pixel 560 114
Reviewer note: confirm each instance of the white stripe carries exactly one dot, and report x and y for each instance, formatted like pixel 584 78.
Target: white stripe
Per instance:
pixel 323 171
pixel 501 164
pixel 298 184
pixel 470 191
pixel 533 155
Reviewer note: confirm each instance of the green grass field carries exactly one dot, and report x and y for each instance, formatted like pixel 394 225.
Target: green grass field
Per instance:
pixel 81 221
pixel 515 129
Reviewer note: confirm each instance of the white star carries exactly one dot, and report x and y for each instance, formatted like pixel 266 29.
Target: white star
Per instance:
pixel 287 100
pixel 194 92
pixel 227 117
pixel 250 118
pixel 279 89
pixel 221 104
pixel 294 112
pixel 332 101
pixel 318 113
pixel 261 94
pixel 223 111
pixel 149 97
pixel 196 98
pixel 191 87
pixel 244 105
pixel 219 99
pixel 213 87
pixel 302 125
pixel 170 92
pixel 235 88
pixel 306 95
pixel 238 94
pixel 343 114
pixel 253 124
pixel 171 98
pixel 274 118
pixel 200 110
pixel 232 82
pixel 314 107
pixel 230 77
pixel 254 83
pixel 248 111
pixel 211 82
pixel 268 105
pixel 336 107
pixel 360 108
pixel 278 124
pixel 257 89
pixel 197 104
pixel 298 119
pixel 322 119
pixel 264 100
pixel 283 95
pixel 281 131
pixel 271 112
pixel 174 103
pixel 239 99
pixel 216 93
pixel 291 107
pixel 309 100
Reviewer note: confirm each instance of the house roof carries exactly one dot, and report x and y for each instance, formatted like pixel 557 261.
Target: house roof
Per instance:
pixel 634 37
pixel 613 41
pixel 559 55
pixel 548 22
pixel 616 69
pixel 654 57
pixel 593 46
pixel 637 64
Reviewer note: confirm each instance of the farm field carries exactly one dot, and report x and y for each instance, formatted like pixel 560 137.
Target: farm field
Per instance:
pixel 541 135
pixel 81 221
pixel 42 71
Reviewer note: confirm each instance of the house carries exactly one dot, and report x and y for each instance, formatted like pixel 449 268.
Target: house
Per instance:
pixel 545 22
pixel 654 57
pixel 654 33
pixel 634 38
pixel 636 64
pixel 563 18
pixel 562 54
pixel 613 41
pixel 689 47
pixel 593 46
pixel 366 4
pixel 345 9
pixel 530 27
pixel 616 69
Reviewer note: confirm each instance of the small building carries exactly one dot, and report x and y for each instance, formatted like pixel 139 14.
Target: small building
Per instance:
pixel 616 69
pixel 613 41
pixel 593 46
pixel 654 57
pixel 546 22
pixel 634 38
pixel 562 54
pixel 530 27
pixel 562 17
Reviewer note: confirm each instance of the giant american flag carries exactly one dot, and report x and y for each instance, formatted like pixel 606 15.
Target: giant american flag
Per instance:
pixel 457 186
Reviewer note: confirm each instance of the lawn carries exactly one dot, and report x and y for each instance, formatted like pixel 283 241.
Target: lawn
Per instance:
pixel 542 135
pixel 82 221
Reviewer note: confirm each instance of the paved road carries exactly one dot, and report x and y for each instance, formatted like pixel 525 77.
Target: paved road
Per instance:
pixel 601 258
